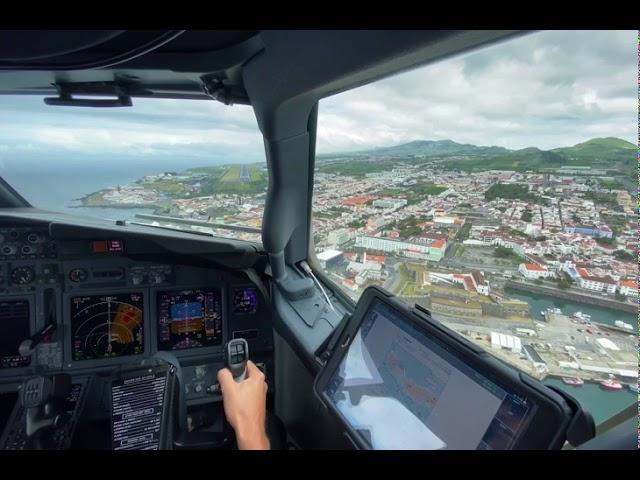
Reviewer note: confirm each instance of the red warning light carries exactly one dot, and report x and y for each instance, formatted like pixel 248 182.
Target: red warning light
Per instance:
pixel 99 246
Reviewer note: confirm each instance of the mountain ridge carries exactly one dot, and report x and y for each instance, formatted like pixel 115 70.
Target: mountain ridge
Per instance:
pixel 608 153
pixel 450 147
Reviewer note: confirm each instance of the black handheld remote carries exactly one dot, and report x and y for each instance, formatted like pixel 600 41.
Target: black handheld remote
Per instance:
pixel 236 356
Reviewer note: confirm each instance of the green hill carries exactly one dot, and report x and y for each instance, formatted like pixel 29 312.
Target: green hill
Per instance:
pixel 612 154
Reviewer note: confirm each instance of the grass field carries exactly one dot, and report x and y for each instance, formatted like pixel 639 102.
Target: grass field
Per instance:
pixel 231 175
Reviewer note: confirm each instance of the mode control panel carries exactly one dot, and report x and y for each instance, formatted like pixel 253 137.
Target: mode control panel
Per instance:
pixel 116 273
pixel 151 275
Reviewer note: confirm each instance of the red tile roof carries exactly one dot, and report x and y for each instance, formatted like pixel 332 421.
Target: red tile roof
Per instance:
pixel 629 284
pixel 358 200
pixel 534 267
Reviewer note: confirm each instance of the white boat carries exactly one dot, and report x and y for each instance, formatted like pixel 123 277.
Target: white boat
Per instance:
pixel 576 382
pixel 621 324
pixel 611 384
pixel 583 317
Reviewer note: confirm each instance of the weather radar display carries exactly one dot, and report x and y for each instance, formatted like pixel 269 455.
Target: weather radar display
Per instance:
pixel 107 326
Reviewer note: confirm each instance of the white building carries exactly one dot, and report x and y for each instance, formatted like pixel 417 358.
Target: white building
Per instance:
pixel 500 341
pixel 629 288
pixel 388 245
pixel 533 271
pixel 330 258
pixel 390 203
pixel 339 236
pixel 597 284
pixel 607 344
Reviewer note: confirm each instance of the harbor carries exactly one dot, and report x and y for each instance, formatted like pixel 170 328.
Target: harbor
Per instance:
pixel 595 361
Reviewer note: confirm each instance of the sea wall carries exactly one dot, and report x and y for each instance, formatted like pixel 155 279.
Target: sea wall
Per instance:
pixel 570 294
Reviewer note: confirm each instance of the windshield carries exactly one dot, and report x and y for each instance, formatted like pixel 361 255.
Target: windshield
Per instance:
pixel 496 189
pixel 194 165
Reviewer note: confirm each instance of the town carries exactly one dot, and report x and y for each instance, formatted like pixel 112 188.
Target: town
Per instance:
pixel 458 242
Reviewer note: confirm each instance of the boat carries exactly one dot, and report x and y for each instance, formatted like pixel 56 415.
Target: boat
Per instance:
pixel 582 317
pixel 573 381
pixel 623 325
pixel 610 384
pixel 633 387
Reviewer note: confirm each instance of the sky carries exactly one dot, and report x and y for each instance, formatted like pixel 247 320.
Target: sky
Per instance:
pixel 547 89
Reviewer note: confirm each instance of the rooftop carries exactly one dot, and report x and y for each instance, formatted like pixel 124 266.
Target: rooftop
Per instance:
pixel 534 267
pixel 328 255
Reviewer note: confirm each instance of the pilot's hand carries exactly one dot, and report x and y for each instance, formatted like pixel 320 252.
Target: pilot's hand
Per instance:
pixel 245 406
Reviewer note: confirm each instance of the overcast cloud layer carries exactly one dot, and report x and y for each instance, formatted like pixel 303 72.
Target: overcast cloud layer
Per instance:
pixel 547 89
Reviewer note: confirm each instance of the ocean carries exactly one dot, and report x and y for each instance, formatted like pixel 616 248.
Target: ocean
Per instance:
pixel 58 186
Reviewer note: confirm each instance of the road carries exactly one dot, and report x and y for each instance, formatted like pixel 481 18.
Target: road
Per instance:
pixel 393 281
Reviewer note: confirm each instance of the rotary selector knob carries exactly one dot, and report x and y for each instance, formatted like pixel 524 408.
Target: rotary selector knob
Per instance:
pixel 33 238
pixel 78 275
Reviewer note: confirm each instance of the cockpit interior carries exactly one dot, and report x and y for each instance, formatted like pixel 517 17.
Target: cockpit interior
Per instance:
pixel 112 332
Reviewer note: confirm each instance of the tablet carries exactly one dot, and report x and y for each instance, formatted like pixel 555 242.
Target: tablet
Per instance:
pixel 398 379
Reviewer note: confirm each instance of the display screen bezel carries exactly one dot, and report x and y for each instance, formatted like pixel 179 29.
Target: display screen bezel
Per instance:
pixel 545 426
pixel 69 362
pixel 177 291
pixel 30 299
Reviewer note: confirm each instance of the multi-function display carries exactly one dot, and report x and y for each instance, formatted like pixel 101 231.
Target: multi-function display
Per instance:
pixel 104 326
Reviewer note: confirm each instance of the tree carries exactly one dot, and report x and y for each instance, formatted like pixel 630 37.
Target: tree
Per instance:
pixel 463 233
pixel 623 255
pixel 564 281
pixel 503 252
pixel 621 297
pixel 527 216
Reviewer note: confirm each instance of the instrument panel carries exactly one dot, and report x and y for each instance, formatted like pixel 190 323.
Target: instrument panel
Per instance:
pixel 110 308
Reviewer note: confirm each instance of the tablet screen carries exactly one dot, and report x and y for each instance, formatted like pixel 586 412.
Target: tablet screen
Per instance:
pixel 399 389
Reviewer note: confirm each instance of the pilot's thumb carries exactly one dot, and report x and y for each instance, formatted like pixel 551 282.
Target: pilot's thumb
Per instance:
pixel 225 379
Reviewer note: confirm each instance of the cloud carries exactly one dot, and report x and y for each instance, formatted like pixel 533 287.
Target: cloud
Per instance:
pixel 547 89
pixel 152 127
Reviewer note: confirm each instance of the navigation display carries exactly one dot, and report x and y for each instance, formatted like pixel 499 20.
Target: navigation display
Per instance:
pixel 104 326
pixel 189 319
pixel 400 389
pixel 14 328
